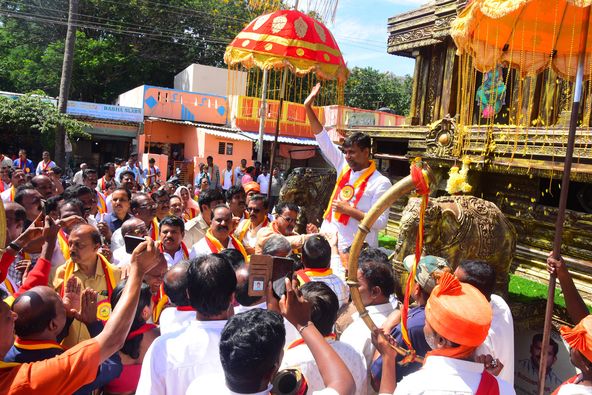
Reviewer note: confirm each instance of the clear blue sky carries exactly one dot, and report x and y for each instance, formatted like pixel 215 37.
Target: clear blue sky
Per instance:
pixel 360 29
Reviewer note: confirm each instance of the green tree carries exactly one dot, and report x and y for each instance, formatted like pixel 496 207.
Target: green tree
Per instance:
pixel 119 44
pixel 371 89
pixel 33 116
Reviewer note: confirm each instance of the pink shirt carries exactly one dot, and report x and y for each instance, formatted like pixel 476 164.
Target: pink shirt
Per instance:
pixel 246 178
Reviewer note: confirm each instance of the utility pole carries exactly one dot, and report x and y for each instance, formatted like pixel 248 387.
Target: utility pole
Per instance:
pixel 67 66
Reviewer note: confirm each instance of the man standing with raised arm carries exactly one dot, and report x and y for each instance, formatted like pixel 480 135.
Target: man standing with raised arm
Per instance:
pixel 359 183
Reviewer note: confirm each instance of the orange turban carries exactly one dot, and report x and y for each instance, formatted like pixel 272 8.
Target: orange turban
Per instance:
pixel 580 336
pixel 458 312
pixel 252 186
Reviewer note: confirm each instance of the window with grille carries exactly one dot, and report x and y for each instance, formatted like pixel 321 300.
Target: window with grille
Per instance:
pixel 221 148
pixel 229 148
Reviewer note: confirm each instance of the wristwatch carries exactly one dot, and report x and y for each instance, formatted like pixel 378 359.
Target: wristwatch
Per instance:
pixel 15 246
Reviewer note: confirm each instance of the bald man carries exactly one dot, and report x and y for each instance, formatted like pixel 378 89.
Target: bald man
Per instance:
pixel 44 185
pixel 133 227
pixel 177 316
pixel 92 270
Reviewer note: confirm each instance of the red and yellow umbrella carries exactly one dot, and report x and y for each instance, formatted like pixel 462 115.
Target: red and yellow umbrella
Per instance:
pixel 293 43
pixel 288 38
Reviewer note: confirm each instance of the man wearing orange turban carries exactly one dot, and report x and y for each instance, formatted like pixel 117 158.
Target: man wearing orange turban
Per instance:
pixel 457 321
pixel 579 339
pixel 251 188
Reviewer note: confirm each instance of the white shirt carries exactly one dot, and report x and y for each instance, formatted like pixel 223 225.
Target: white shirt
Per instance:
pixel 5 196
pixel 301 358
pixel 173 260
pixel 250 239
pixel 443 375
pixel 174 360
pixel 121 257
pixel 57 258
pixel 77 179
pixel 263 182
pixel 202 248
pixel 336 284
pixel 40 167
pixel 217 385
pixel 227 176
pixel 117 240
pixel 238 175
pixel 575 389
pixel 499 342
pixel 195 230
pixel 5 161
pixel 376 187
pixel 172 320
pixel 357 333
pixel 291 331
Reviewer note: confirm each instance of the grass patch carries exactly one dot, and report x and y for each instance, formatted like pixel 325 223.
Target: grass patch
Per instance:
pixel 524 290
pixel 386 241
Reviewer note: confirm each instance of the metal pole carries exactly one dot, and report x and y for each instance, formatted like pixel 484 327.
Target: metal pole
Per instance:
pixel 563 199
pixel 262 115
pixel 277 128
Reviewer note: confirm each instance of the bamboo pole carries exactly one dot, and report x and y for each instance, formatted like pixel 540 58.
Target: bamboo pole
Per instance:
pixel 395 192
pixel 573 123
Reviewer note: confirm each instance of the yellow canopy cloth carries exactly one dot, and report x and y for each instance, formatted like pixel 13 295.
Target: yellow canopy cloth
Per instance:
pixel 529 35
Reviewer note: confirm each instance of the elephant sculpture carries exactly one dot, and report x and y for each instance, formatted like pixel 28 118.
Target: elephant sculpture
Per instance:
pixel 310 189
pixel 461 228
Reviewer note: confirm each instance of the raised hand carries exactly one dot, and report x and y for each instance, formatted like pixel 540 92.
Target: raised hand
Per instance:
pixel 293 306
pixel 88 307
pixel 70 221
pixel 145 256
pixel 50 229
pixel 71 296
pixel 105 250
pixel 382 343
pixel 311 229
pixel 104 230
pixel 492 365
pixel 309 102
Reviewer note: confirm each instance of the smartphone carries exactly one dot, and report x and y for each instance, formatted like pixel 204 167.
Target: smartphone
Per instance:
pixel 265 268
pixel 131 242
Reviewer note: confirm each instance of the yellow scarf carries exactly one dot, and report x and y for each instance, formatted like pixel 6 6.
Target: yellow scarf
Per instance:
pixel 216 246
pixel 160 300
pixel 342 182
pixel 104 306
pixel 63 244
pixel 155 231
pixel 247 226
pixel 101 204
pixel 9 287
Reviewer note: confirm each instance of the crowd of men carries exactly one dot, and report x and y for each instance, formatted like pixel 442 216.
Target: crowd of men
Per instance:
pixel 83 313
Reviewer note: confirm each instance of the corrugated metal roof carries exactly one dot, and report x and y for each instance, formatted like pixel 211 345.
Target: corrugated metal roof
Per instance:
pixel 282 139
pixel 226 135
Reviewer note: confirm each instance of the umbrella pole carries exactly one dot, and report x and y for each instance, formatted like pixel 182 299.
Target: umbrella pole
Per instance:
pixel 262 114
pixel 277 129
pixel 563 198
